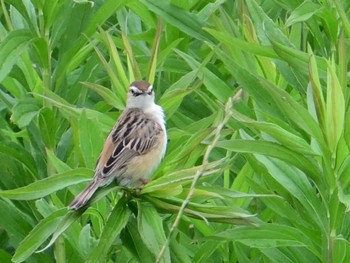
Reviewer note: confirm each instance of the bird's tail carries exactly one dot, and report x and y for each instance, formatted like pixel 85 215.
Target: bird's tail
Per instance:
pixel 83 198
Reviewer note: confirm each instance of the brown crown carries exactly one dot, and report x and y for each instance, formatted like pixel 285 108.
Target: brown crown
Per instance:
pixel 141 85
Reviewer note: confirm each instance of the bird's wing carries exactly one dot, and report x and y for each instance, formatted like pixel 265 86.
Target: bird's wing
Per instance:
pixel 134 134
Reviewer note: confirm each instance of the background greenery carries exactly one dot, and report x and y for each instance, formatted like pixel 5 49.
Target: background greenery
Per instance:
pixel 257 104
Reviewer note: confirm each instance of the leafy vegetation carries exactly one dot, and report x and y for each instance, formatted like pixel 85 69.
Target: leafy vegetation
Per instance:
pixel 257 104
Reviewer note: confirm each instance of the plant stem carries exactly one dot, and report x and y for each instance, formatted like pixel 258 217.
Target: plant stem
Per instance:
pixel 230 102
pixel 60 254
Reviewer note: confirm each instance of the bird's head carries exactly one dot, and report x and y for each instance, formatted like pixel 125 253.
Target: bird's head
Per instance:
pixel 140 95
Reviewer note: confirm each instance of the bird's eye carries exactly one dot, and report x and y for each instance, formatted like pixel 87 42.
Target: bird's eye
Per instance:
pixel 150 92
pixel 135 93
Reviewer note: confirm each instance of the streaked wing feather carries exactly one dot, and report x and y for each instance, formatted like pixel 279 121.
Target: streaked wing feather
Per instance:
pixel 133 135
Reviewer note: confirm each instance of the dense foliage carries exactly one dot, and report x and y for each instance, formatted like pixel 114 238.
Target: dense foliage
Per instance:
pixel 257 105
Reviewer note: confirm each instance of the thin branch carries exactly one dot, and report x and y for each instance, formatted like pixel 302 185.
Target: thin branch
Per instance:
pixel 201 170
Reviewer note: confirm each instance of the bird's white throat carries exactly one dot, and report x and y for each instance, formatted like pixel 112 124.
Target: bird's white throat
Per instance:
pixel 156 112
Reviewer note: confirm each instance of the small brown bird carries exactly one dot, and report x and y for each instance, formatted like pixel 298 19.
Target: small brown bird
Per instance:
pixel 134 147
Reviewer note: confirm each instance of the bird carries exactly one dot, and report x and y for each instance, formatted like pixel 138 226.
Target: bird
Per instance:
pixel 135 146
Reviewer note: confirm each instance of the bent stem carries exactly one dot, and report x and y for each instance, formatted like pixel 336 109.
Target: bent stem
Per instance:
pixel 230 102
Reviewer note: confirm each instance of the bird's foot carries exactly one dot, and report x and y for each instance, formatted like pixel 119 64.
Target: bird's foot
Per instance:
pixel 143 183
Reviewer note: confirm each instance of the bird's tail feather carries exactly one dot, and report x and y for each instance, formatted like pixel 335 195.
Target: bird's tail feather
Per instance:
pixel 83 198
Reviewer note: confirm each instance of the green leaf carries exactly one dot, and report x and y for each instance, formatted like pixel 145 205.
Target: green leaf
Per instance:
pixel 208 213
pixel 154 56
pixel 57 164
pixel 117 85
pixel 297 59
pixel 251 84
pixel 212 82
pixel 265 25
pixel 344 18
pixel 90 139
pixel 335 109
pixel 133 242
pixel 164 53
pixel 117 61
pixel 183 20
pixel 38 235
pixel 171 183
pixel 235 42
pixel 21 155
pixel 303 12
pixel 11 48
pixel 109 96
pixel 192 144
pixel 174 95
pixel 295 112
pixel 317 91
pixel 206 250
pixel 267 236
pixel 134 69
pixel 47 124
pixel 341 249
pixel 48 185
pixel 115 223
pixel 178 254
pixel 300 188
pixel 67 220
pixel 274 150
pixel 280 255
pixel 86 241
pixel 5 256
pixel 41 47
pixel 286 138
pixel 151 230
pixel 72 216
pixel 107 9
pixel 14 222
pixel 71 112
pixel 24 111
pixel 24 8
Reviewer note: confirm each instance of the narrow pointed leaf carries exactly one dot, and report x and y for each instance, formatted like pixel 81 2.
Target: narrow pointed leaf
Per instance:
pixel 151 230
pixel 317 91
pixel 115 223
pixel 273 150
pixel 109 96
pixel 38 235
pixel 184 21
pixel 267 236
pixel 335 109
pixel 48 185
pixel 11 49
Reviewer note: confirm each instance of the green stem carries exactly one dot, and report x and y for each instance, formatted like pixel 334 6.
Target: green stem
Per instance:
pixel 6 15
pixel 330 247
pixel 343 17
pixel 199 173
pixel 60 254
